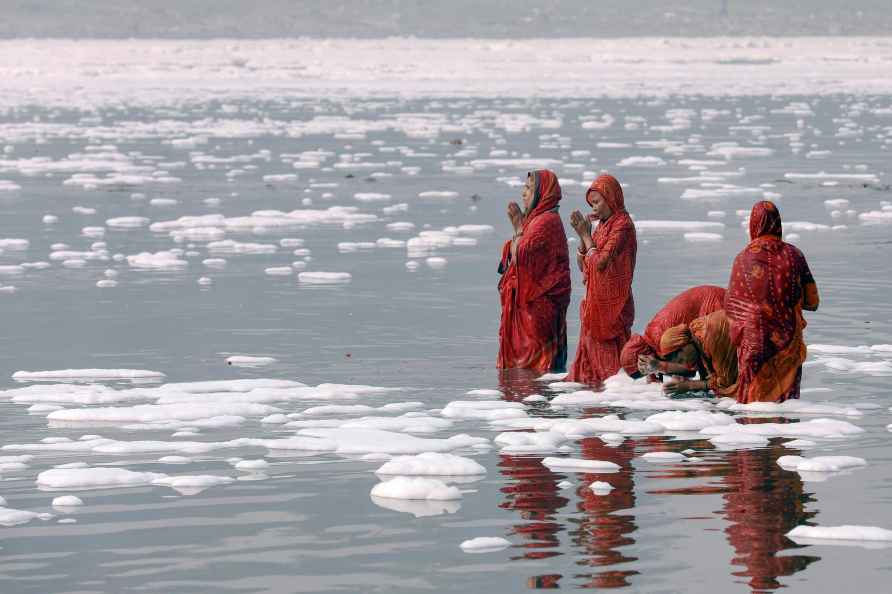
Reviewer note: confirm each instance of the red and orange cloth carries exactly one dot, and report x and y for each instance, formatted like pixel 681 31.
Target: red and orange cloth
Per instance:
pixel 770 285
pixel 535 287
pixel 608 309
pixel 681 309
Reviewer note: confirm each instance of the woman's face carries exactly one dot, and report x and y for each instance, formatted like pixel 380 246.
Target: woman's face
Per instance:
pixel 599 206
pixel 687 356
pixel 528 191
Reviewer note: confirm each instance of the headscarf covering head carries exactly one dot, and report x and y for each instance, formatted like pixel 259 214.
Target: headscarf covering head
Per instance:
pixel 546 193
pixel 628 358
pixel 675 338
pixel 608 187
pixel 765 219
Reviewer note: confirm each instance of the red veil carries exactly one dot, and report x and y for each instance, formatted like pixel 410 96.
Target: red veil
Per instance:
pixel 770 284
pixel 535 289
pixel 608 309
pixel 681 309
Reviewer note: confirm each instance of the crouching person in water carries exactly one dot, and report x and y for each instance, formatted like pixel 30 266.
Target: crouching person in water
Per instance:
pixel 535 283
pixel 704 346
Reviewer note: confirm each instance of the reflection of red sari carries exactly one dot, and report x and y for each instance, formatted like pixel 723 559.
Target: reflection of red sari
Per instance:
pixel 608 310
pixel 763 503
pixel 681 309
pixel 535 289
pixel 532 490
pixel 770 285
pixel 605 528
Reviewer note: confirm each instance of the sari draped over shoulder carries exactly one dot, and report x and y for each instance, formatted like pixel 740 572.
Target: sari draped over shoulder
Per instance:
pixel 681 309
pixel 608 309
pixel 535 287
pixel 770 285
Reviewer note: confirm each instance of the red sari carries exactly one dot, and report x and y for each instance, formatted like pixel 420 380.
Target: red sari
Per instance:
pixel 685 307
pixel 770 285
pixel 535 289
pixel 608 309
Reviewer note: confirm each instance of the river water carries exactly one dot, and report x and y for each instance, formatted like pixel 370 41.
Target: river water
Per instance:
pixel 118 171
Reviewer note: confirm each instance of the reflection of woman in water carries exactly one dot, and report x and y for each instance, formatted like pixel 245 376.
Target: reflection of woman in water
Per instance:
pixel 531 489
pixel 603 529
pixel 762 504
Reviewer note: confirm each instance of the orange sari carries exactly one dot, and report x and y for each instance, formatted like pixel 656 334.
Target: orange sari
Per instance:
pixel 770 286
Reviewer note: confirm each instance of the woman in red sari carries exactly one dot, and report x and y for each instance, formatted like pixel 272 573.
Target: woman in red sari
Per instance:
pixel 535 284
pixel 770 286
pixel 681 309
pixel 607 261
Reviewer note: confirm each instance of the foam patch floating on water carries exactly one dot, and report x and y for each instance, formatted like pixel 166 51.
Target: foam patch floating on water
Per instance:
pixel 432 463
pixel 324 278
pixel 485 544
pixel 87 375
pixel 403 487
pixel 249 361
pixel 804 534
pixel 579 465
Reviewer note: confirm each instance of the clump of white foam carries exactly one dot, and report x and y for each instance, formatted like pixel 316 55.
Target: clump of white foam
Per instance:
pixel 87 375
pixel 67 501
pixel 601 488
pixel 403 487
pixel 820 463
pixel 324 278
pixel 94 478
pixel 487 409
pixel 432 463
pixel 579 465
pixel 524 442
pixel 484 544
pixel 249 361
pixel 163 260
pixel 14 517
pixel 252 465
pixel 804 534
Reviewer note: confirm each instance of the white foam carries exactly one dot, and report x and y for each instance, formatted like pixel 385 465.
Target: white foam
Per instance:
pixel 846 532
pixel 524 442
pixel 163 260
pixel 641 162
pixel 67 501
pixel 820 463
pixel 250 361
pixel 487 409
pixel 14 517
pixel 578 465
pixel 87 375
pixel 432 463
pixel 403 487
pixel 601 488
pixel 484 544
pixel 324 278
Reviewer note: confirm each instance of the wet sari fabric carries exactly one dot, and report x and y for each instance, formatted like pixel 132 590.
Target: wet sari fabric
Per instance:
pixel 608 309
pixel 681 309
pixel 535 288
pixel 770 285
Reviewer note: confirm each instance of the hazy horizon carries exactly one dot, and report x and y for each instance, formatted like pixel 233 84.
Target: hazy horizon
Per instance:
pixel 459 18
